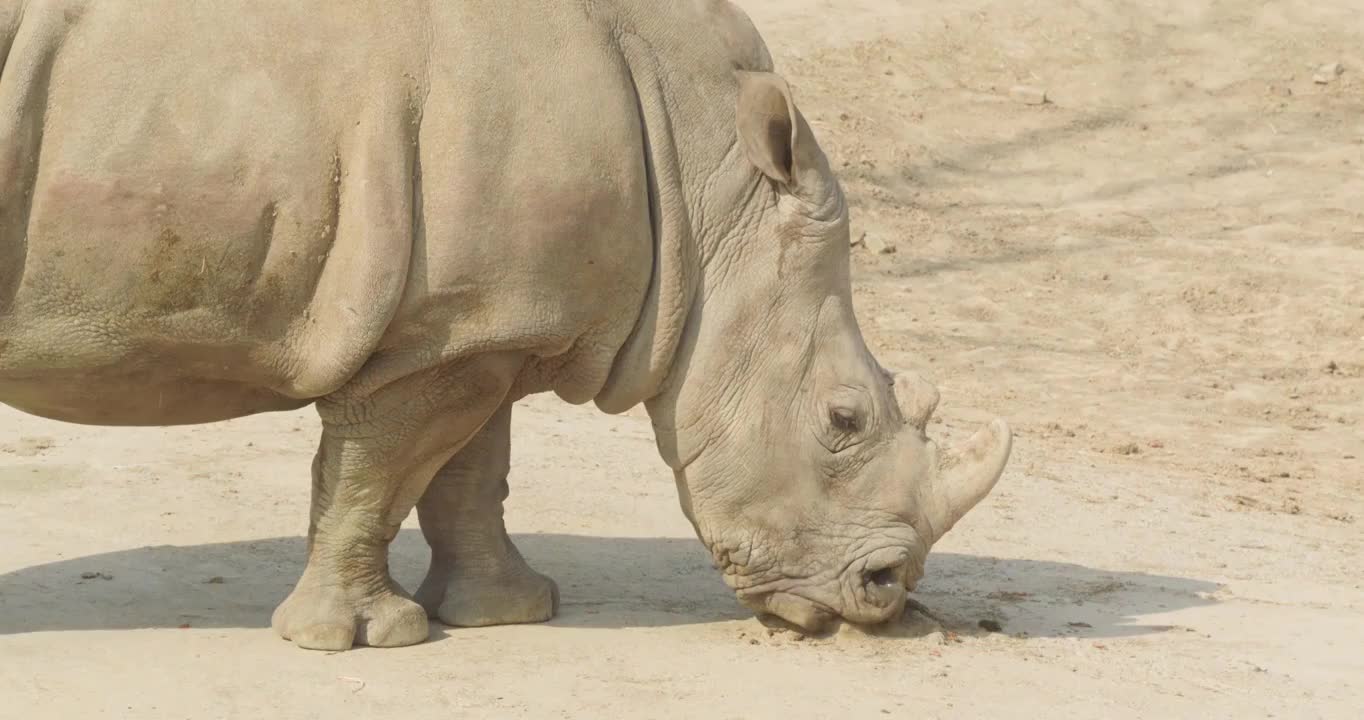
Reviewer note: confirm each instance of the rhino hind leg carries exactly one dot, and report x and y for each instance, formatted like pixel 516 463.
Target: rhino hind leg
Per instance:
pixel 378 453
pixel 477 576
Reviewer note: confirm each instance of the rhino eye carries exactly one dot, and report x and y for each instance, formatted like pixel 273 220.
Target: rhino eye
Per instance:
pixel 845 420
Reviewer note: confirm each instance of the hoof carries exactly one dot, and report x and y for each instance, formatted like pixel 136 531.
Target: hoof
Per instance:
pixel 479 601
pixel 317 619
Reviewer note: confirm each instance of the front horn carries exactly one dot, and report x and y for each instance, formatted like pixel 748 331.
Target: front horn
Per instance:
pixel 961 477
pixel 965 476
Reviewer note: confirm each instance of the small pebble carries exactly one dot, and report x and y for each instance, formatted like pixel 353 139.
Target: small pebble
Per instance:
pixel 215 580
pixel 877 246
pixel 989 625
pixel 1127 449
pixel 1328 72
pixel 1028 95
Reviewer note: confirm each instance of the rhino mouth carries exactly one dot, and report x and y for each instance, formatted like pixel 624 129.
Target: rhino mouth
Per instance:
pixel 801 612
pixel 870 592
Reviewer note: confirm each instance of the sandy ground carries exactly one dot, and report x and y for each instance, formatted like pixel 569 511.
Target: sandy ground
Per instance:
pixel 1157 276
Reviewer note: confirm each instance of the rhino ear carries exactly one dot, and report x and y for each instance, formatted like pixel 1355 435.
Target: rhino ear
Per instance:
pixel 771 130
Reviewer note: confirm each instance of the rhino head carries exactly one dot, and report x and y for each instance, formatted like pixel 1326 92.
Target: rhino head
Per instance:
pixel 802 464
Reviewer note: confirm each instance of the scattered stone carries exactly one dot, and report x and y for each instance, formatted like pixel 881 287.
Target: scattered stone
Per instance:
pixel 1127 449
pixel 1328 72
pixel 1079 625
pixel 1028 95
pixel 30 446
pixel 989 625
pixel 1332 368
pixel 876 245
pixel 92 575
pixel 215 580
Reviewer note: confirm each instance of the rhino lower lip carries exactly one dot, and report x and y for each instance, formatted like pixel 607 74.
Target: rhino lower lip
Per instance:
pixel 802 612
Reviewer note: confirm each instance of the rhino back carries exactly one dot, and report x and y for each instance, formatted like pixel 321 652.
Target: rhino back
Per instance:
pixel 216 209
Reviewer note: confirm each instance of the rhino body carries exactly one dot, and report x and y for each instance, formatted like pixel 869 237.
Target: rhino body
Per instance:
pixel 412 214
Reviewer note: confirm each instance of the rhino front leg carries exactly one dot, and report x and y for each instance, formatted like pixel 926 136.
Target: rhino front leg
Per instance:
pixel 378 453
pixel 477 576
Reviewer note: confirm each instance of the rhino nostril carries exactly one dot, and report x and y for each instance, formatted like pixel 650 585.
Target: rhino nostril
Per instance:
pixel 885 577
pixel 885 586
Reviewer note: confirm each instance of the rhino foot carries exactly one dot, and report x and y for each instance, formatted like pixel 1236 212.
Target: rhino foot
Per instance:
pixel 470 599
pixel 477 575
pixel 328 618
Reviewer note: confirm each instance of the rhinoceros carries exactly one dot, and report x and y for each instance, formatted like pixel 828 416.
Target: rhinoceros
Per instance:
pixel 411 214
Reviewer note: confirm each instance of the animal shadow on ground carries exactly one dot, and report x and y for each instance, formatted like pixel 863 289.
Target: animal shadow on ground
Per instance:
pixel 606 582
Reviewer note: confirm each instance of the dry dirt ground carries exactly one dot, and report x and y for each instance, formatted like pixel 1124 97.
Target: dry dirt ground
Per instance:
pixel 1157 276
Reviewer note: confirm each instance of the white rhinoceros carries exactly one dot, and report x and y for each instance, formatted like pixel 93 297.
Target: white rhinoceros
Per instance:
pixel 412 213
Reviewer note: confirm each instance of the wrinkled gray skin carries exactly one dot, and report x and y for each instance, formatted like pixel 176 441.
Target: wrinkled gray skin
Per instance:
pixel 413 214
